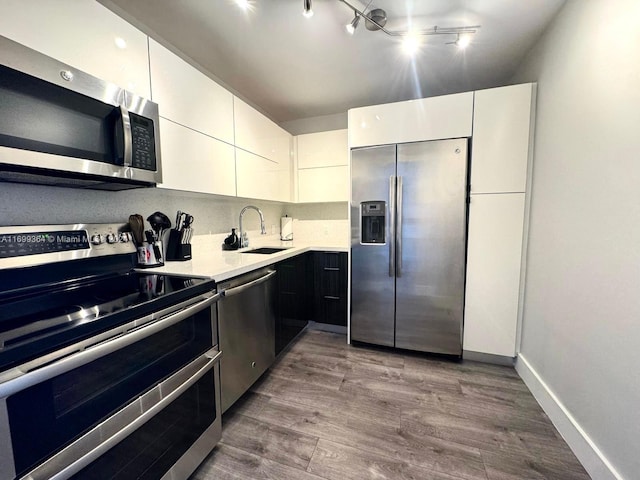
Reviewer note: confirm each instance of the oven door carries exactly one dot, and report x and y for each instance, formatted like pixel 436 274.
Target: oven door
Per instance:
pixel 133 399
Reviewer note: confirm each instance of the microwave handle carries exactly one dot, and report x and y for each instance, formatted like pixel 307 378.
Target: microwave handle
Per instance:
pixel 123 137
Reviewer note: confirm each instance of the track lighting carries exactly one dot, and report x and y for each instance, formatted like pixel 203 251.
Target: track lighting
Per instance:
pixel 461 41
pixel 307 12
pixel 376 19
pixel 351 27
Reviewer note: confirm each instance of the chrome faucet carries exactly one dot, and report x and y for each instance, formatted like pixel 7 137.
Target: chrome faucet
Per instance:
pixel 244 240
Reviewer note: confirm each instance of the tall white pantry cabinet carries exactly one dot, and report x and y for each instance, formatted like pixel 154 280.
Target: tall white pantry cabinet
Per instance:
pixel 503 124
pixel 500 123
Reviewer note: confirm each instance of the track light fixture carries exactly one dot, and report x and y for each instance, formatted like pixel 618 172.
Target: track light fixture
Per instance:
pixel 307 12
pixel 351 27
pixel 376 19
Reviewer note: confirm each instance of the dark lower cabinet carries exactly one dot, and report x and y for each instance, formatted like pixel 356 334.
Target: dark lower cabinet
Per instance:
pixel 330 292
pixel 311 286
pixel 295 298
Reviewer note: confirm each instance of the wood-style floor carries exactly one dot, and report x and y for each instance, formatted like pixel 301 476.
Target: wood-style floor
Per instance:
pixel 331 411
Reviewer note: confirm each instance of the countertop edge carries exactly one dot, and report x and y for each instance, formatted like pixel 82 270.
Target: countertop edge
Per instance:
pixel 218 267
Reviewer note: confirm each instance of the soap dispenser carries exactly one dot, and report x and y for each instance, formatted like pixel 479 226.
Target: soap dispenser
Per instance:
pixel 231 242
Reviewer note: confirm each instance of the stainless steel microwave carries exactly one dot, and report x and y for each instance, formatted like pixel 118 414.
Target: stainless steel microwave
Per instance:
pixel 61 126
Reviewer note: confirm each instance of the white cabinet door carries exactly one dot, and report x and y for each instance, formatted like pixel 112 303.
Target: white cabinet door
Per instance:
pixel 83 34
pixel 257 134
pixel 502 125
pixel 260 178
pixel 195 162
pixel 323 149
pixel 493 273
pixel 188 97
pixel 327 184
pixel 435 118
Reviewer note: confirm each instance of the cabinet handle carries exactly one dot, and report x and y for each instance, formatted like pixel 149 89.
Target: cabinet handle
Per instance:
pixel 331 269
pixel 331 297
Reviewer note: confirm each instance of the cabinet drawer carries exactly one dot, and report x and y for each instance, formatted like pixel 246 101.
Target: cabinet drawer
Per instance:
pixel 330 281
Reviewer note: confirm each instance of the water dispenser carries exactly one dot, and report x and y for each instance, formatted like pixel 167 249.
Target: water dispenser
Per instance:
pixel 373 222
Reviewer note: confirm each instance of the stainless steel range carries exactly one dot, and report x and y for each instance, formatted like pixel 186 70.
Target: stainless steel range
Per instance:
pixel 104 372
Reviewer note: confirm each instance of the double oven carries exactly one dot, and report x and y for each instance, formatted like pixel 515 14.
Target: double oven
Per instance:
pixel 105 372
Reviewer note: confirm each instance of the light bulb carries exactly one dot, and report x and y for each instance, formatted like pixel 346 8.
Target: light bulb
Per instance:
pixel 244 4
pixel 351 27
pixel 410 45
pixel 463 42
pixel 307 12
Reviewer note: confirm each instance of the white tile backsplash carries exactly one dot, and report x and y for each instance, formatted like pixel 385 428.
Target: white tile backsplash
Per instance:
pixel 322 232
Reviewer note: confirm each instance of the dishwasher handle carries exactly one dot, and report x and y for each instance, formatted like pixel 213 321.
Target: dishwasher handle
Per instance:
pixel 246 286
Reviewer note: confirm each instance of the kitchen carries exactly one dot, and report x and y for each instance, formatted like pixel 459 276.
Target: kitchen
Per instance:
pixel 578 331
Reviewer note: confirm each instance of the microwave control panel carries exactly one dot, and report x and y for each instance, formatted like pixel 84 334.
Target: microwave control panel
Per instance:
pixel 143 143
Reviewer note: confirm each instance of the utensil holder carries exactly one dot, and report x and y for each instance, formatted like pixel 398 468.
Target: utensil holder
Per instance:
pixel 150 255
pixel 176 250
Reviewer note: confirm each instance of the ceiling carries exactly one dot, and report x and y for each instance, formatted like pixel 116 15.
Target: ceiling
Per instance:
pixel 291 67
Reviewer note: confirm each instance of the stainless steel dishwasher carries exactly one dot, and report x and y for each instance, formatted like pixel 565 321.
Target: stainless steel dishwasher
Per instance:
pixel 246 320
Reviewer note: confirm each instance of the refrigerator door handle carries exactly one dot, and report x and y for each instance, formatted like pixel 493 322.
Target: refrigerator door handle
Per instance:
pixel 398 233
pixel 392 226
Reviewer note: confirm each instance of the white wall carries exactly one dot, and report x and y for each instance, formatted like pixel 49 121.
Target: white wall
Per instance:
pixel 322 123
pixel 581 326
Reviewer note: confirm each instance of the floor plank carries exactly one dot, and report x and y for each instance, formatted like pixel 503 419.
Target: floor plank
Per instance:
pixel 339 462
pixel 327 410
pixel 269 441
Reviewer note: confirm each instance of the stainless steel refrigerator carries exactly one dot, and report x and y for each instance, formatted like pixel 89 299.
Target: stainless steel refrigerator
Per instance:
pixel 408 242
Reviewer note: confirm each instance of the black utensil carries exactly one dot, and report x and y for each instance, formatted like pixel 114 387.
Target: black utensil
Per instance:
pixel 136 223
pixel 159 221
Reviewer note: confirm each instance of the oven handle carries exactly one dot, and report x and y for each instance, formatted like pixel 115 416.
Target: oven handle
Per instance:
pixel 122 337
pixel 68 457
pixel 229 292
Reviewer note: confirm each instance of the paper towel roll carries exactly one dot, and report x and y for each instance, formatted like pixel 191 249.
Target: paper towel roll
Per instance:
pixel 286 228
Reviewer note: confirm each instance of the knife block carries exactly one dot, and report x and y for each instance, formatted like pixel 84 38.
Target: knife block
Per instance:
pixel 176 250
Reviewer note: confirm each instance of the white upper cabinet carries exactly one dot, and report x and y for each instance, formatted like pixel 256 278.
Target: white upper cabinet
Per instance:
pixel 195 162
pixel 494 259
pixel 260 178
pixel 323 149
pixel 502 124
pixel 326 184
pixel 188 97
pixel 257 134
pixel 83 34
pixel 434 118
pixel 323 167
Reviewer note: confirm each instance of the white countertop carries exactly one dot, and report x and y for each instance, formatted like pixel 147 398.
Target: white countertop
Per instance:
pixel 209 260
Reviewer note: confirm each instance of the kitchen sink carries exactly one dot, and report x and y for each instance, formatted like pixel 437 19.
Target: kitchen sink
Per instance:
pixel 266 250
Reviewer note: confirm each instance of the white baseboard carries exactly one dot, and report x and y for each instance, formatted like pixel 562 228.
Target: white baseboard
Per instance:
pixel 593 460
